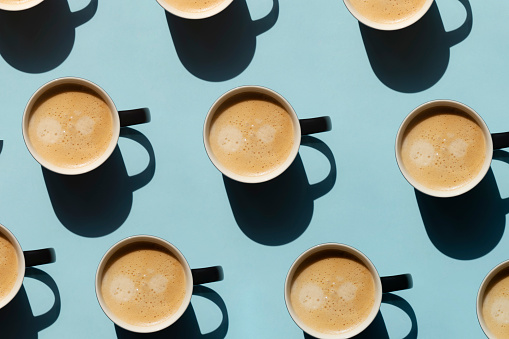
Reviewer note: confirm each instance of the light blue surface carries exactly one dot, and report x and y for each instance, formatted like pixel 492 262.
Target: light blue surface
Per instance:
pixel 316 55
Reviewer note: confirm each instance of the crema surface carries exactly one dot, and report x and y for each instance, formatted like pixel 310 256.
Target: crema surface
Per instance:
pixel 143 284
pixel 194 6
pixel 388 11
pixel 495 306
pixel 8 266
pixel 332 292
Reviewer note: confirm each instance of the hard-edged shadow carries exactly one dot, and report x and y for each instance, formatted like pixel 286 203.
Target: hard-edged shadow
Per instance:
pixel 97 203
pixel 17 319
pixel 220 47
pixel 377 328
pixel 187 326
pixel 415 58
pixel 468 226
pixel 39 39
pixel 280 210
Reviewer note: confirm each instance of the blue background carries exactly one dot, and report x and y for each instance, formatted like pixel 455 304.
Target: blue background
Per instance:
pixel 344 186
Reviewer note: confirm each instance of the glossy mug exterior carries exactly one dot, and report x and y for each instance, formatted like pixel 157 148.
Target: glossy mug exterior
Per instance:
pixel 134 117
pixel 25 259
pixel 488 152
pixel 194 15
pixel 382 285
pixel 193 277
pixel 300 127
pixel 388 26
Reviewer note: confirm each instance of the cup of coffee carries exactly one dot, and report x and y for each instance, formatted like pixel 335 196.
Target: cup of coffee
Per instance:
pixel 144 283
pixel 444 148
pixel 13 261
pixel 16 5
pixel 388 15
pixel 252 134
pixel 333 291
pixel 493 302
pixel 196 9
pixel 71 125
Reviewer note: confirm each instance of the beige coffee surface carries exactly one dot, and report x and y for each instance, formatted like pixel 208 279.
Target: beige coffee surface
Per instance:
pixel 495 306
pixel 251 134
pixel 70 126
pixel 143 284
pixel 387 11
pixel 194 6
pixel 8 266
pixel 443 149
pixel 15 2
pixel 332 292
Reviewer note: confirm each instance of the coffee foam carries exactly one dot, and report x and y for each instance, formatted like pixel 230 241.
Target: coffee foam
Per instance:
pixel 251 134
pixel 495 306
pixel 143 284
pixel 8 266
pixel 443 148
pixel 70 126
pixel 387 11
pixel 194 6
pixel 332 292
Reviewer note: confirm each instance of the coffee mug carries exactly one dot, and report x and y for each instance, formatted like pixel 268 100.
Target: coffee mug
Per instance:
pixel 375 14
pixel 200 9
pixel 71 125
pixel 18 5
pixel 333 291
pixel 493 302
pixel 16 260
pixel 252 134
pixel 144 283
pixel 444 148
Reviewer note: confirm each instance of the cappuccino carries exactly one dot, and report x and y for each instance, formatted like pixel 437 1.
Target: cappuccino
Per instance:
pixel 443 148
pixel 495 306
pixel 70 126
pixel 251 134
pixel 387 11
pixel 143 284
pixel 195 6
pixel 8 266
pixel 332 292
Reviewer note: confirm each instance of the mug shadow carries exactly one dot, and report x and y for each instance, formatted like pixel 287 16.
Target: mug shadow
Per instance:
pixel 39 39
pixel 221 47
pixel 187 327
pixel 415 58
pixel 16 318
pixel 468 226
pixel 377 328
pixel 278 211
pixel 97 203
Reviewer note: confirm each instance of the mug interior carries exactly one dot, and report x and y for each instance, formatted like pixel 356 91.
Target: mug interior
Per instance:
pixel 340 248
pixel 488 152
pixel 187 271
pixel 104 96
pixel 296 132
pixel 20 6
pixel 194 15
pixel 21 266
pixel 481 294
pixel 388 26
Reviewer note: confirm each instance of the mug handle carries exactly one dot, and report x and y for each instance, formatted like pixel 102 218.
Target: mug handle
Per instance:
pixel 315 125
pixel 39 257
pixel 134 116
pixel 500 140
pixel 396 283
pixel 207 275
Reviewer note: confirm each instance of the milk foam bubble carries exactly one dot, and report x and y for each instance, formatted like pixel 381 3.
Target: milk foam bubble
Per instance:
pixel 122 288
pixel 347 291
pixel 311 296
pixel 458 148
pixel 49 130
pixel 230 139
pixel 500 310
pixel 85 125
pixel 422 153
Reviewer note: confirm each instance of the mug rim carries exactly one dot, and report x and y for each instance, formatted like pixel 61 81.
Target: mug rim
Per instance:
pixel 488 150
pixel 388 26
pixel 343 248
pixel 296 130
pixel 20 6
pixel 481 294
pixel 62 81
pixel 21 266
pixel 139 239
pixel 194 15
